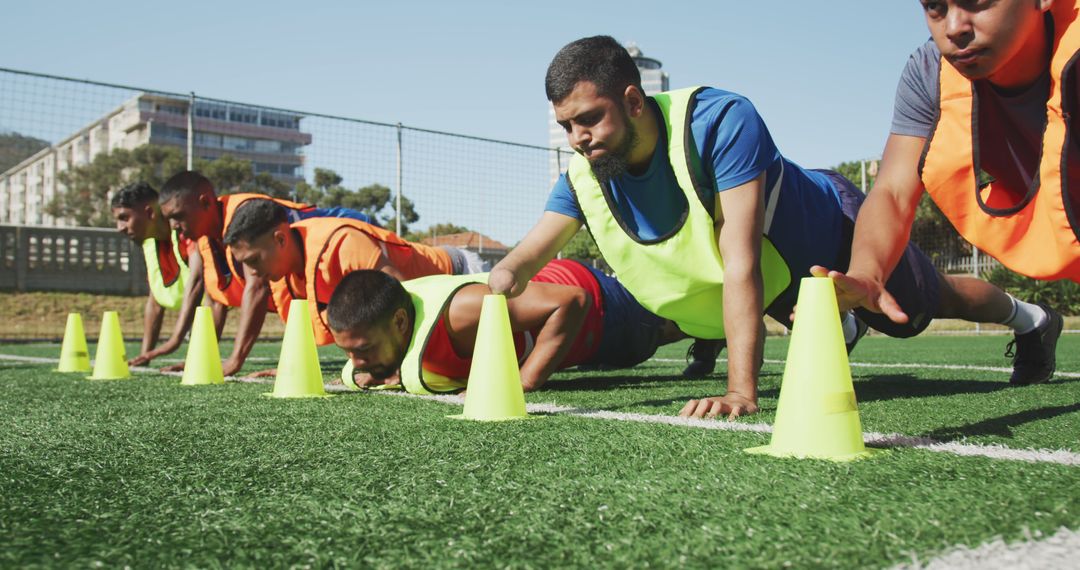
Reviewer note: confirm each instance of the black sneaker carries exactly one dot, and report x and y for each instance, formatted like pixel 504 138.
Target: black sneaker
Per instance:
pixel 702 356
pixel 1035 358
pixel 860 331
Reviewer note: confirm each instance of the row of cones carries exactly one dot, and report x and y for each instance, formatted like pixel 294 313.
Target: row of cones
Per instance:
pixel 817 415
pixel 298 374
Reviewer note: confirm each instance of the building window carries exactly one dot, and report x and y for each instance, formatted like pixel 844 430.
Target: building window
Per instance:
pixel 238 143
pixel 210 111
pixel 242 115
pixel 267 146
pixel 208 140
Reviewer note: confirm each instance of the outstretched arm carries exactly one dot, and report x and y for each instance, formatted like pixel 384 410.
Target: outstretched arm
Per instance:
pixel 252 315
pixel 742 226
pixel 557 312
pixel 511 275
pixel 882 231
pixel 193 290
pixel 153 314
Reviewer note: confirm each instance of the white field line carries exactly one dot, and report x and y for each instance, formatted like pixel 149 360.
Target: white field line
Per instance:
pixel 1059 550
pixel 918 365
pixel 991 451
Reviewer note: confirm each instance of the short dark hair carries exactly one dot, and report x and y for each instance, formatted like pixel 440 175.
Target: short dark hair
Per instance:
pixel 365 298
pixel 183 184
pixel 253 219
pixel 597 59
pixel 134 195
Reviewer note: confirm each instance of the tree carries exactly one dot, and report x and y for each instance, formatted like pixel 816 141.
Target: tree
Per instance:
pixel 87 188
pixel 15 148
pixel 435 231
pixel 931 230
pixel 582 247
pixel 375 200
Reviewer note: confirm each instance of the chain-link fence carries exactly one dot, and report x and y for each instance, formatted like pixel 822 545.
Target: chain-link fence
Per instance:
pixel 67 143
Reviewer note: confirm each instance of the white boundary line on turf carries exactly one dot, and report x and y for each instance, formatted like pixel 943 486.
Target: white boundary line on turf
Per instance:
pixel 1058 550
pixel 972 368
pixel 991 451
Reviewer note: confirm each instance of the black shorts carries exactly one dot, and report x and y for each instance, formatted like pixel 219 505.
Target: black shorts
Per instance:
pixel 914 283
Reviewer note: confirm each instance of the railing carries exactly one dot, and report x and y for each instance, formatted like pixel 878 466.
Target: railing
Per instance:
pixel 86 260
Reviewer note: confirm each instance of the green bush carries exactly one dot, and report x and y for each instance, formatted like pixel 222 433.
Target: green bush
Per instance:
pixel 1062 295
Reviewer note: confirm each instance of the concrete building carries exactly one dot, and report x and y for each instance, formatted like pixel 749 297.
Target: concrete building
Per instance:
pixel 271 140
pixel 653 80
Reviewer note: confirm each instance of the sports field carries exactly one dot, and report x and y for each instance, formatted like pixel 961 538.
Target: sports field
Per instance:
pixel 147 473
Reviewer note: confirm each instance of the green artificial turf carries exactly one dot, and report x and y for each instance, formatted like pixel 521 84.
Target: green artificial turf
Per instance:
pixel 147 473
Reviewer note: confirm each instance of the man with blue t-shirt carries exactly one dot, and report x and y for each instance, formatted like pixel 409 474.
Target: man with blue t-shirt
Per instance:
pixel 701 218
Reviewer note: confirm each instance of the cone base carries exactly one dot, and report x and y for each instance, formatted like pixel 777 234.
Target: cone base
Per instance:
pixel 128 377
pixel 72 370
pixel 273 395
pixel 785 454
pixel 506 419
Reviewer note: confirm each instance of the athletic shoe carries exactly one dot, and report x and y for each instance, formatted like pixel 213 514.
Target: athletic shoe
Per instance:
pixel 860 331
pixel 701 357
pixel 1035 358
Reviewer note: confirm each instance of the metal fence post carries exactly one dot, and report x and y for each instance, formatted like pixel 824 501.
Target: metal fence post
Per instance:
pixel 397 206
pixel 975 273
pixel 22 257
pixel 191 132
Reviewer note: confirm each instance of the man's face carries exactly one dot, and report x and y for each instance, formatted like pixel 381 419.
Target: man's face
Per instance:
pixel 377 349
pixel 264 256
pixel 599 128
pixel 980 37
pixel 190 214
pixel 134 222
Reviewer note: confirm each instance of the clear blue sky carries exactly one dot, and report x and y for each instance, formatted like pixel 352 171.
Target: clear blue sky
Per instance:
pixel 823 74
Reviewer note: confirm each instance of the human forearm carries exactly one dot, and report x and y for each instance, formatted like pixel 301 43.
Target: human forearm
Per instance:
pixel 882 231
pixel 153 314
pixel 252 315
pixel 511 275
pixel 742 324
pixel 553 342
pixel 192 295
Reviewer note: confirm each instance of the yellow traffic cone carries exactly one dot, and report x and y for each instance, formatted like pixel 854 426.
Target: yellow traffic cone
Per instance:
pixel 817 416
pixel 495 391
pixel 202 365
pixel 74 356
pixel 298 371
pixel 110 363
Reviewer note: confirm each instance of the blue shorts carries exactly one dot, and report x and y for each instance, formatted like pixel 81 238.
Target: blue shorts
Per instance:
pixel 914 283
pixel 335 212
pixel 631 333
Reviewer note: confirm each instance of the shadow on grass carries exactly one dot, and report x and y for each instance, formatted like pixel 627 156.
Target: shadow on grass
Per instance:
pixel 882 388
pixel 596 380
pixel 1001 426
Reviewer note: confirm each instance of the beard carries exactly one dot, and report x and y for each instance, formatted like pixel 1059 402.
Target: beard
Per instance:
pixel 616 162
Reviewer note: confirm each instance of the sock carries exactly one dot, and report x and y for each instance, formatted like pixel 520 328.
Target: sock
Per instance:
pixel 847 322
pixel 1025 317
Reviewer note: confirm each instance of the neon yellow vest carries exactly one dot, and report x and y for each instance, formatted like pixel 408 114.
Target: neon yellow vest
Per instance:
pixel 679 275
pixel 430 296
pixel 170 296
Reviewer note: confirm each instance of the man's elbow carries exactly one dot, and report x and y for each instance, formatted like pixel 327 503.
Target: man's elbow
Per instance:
pixel 742 271
pixel 579 304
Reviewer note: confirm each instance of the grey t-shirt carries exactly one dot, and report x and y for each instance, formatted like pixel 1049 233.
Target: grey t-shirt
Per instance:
pixel 917 97
pixel 1019 118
